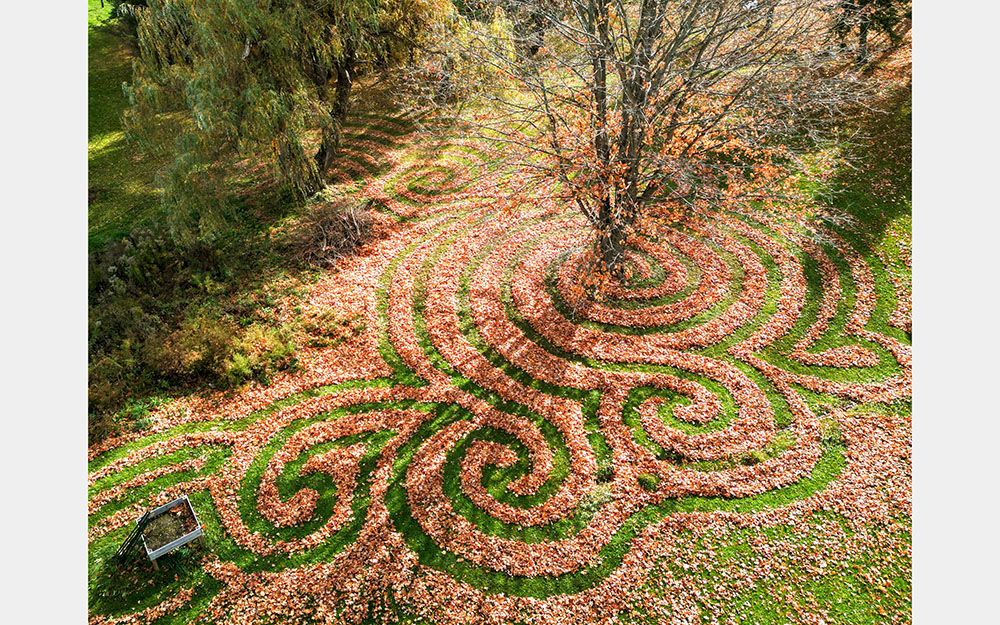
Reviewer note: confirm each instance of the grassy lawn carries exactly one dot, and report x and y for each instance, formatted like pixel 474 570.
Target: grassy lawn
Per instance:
pixel 122 191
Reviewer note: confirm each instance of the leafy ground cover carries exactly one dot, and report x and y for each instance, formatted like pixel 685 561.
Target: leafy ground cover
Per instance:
pixel 723 438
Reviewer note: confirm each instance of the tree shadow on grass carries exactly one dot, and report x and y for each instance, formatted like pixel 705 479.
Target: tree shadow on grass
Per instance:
pixel 876 189
pixel 121 191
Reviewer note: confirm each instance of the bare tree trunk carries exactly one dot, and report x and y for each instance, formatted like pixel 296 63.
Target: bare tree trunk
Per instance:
pixel 537 37
pixel 338 113
pixel 612 235
pixel 444 90
pixel 611 249
pixel 863 39
pixel 843 26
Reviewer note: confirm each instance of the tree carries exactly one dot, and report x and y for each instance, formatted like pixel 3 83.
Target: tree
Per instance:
pixel 678 103
pixel 126 12
pixel 884 15
pixel 258 78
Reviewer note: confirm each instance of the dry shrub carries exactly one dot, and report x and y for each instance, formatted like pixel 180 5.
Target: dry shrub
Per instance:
pixel 208 348
pixel 199 348
pixel 331 230
pixel 100 425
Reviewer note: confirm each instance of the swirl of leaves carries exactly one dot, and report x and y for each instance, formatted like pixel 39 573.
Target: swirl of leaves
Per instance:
pixel 514 437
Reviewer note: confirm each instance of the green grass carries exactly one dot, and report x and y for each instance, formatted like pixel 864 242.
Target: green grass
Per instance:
pixel 844 587
pixel 121 179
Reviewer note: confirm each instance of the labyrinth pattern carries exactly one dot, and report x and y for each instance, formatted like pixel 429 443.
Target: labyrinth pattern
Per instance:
pixel 519 447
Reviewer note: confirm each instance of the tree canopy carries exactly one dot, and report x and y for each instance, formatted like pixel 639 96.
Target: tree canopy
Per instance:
pixel 264 80
pixel 617 105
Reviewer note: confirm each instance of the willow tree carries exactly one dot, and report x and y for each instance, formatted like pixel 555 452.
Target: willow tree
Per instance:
pixel 263 80
pixel 619 105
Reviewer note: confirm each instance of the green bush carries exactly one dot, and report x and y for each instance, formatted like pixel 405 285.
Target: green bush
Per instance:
pixel 110 372
pixel 754 457
pixel 214 349
pixel 134 414
pixel 168 313
pixel 238 369
pixel 259 353
pixel 100 425
pixel 829 431
pixel 594 500
pixel 173 310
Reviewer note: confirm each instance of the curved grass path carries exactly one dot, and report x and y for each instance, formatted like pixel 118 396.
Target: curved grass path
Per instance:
pixel 534 453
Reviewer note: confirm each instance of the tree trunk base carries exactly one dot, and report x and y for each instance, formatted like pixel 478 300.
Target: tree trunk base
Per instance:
pixel 611 252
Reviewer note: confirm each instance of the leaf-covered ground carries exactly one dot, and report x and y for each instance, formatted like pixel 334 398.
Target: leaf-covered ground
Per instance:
pixel 724 439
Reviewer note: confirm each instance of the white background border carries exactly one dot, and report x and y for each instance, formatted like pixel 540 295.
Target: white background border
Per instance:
pixel 956 294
